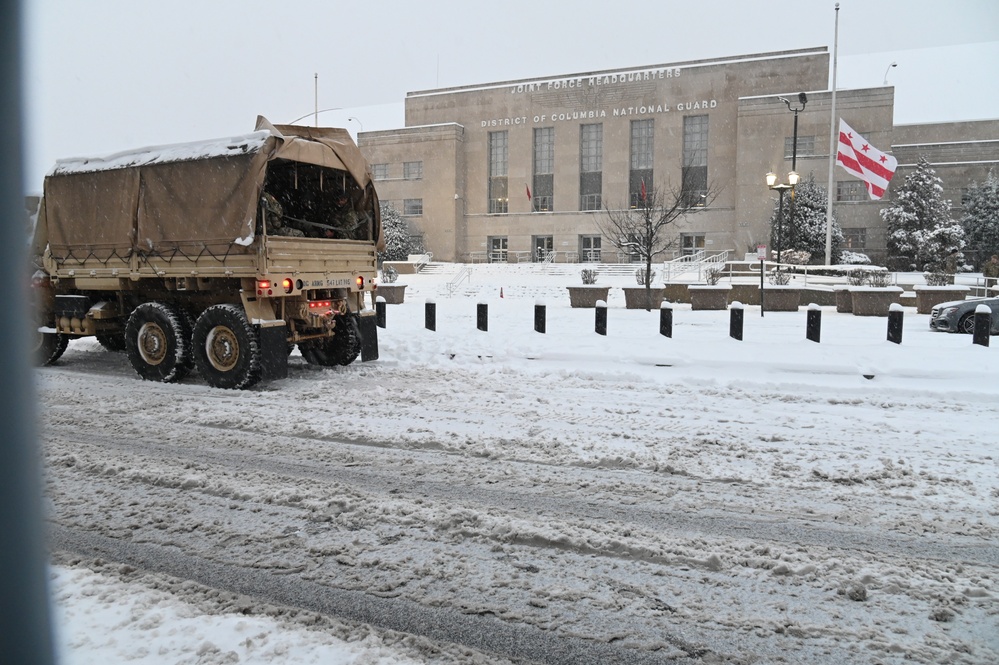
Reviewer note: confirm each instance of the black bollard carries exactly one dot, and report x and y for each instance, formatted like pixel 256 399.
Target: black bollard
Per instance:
pixel 983 320
pixel 482 316
pixel 540 317
pixel 666 320
pixel 380 312
pixel 895 323
pixel 813 326
pixel 736 317
pixel 601 318
pixel 431 315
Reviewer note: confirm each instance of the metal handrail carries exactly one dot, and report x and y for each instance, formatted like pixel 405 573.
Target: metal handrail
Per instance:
pixel 682 264
pixel 464 274
pixel 421 263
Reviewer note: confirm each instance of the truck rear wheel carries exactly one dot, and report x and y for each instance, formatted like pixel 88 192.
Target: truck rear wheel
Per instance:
pixel 226 348
pixel 342 349
pixel 157 343
pixel 49 347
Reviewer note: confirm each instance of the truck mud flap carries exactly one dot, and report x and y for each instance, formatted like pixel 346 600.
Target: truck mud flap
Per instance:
pixel 369 337
pixel 273 352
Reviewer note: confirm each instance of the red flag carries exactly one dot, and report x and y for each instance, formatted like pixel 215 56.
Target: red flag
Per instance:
pixel 865 161
pixel 643 189
pixel 528 187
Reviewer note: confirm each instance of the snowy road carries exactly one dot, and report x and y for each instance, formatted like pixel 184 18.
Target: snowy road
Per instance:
pixel 628 519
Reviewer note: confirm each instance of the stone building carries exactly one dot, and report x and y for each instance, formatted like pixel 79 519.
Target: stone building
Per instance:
pixel 516 170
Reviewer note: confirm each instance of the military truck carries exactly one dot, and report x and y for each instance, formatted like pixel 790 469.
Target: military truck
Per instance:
pixel 219 255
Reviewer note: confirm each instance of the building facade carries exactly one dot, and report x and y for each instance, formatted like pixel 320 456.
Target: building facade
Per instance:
pixel 524 170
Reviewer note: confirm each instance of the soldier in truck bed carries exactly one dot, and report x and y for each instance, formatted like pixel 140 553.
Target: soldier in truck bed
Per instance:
pixel 343 219
pixel 273 213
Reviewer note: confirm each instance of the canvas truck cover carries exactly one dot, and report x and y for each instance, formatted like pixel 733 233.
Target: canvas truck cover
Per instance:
pixel 188 199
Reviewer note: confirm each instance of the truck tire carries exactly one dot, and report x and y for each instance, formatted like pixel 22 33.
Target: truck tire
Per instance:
pixel 226 348
pixel 49 347
pixel 342 349
pixel 157 344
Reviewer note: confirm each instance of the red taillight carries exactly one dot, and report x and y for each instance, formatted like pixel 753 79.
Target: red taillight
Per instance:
pixel 320 304
pixel 263 284
pixel 287 284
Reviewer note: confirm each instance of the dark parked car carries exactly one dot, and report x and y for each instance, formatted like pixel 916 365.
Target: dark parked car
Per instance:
pixel 959 315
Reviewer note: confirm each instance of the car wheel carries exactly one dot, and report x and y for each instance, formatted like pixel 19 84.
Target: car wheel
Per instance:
pixel 967 324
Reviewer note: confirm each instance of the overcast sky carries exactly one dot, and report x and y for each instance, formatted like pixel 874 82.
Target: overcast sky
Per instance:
pixel 108 75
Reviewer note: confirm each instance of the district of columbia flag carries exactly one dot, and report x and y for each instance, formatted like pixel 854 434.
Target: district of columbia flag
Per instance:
pixel 865 161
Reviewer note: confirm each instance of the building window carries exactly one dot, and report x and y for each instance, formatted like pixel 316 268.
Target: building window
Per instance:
pixel 691 243
pixel 591 157
pixel 854 239
pixel 412 206
pixel 589 249
pixel 694 177
pixel 499 151
pixel 544 170
pixel 379 171
pixel 497 248
pixel 806 146
pixel 965 197
pixel 850 190
pixel 412 170
pixel 640 178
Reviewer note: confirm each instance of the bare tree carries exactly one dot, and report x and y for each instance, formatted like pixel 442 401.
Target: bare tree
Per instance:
pixel 649 226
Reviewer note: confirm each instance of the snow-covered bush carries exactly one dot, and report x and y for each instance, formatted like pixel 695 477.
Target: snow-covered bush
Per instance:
pixel 854 259
pixel 640 276
pixel 879 278
pixel 389 275
pixel 779 278
pixel 937 278
pixel 798 257
pixel 857 277
pixel 589 275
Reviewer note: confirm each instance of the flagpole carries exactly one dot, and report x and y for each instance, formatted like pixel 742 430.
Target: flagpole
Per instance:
pixel 833 140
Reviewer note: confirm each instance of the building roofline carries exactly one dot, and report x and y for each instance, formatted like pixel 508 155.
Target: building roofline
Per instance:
pixel 414 128
pixel 929 143
pixel 942 163
pixel 945 122
pixel 771 55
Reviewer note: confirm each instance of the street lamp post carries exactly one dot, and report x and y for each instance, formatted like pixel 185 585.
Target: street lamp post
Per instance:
pixel 792 177
pixel 781 188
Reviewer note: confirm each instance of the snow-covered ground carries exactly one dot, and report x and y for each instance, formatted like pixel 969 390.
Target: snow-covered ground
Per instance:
pixel 854 435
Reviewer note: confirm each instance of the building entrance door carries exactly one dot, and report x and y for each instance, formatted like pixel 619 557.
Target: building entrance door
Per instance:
pixel 497 249
pixel 544 248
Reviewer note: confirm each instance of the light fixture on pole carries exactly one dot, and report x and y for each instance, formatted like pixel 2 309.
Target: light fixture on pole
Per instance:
pixel 802 99
pixel 893 64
